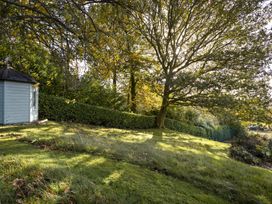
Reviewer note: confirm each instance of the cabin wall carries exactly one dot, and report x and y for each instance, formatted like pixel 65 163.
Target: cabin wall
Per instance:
pixel 16 100
pixel 1 102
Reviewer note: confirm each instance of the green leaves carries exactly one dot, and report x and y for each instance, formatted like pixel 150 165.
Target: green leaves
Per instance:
pixel 210 53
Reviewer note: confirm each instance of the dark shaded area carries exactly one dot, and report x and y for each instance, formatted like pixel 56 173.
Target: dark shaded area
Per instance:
pixel 254 150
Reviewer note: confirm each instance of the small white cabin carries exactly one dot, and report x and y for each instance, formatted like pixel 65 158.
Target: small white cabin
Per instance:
pixel 18 97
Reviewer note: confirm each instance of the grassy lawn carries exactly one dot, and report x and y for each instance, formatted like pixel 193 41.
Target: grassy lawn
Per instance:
pixel 94 164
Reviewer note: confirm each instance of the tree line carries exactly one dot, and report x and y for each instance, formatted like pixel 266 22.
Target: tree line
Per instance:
pixel 144 55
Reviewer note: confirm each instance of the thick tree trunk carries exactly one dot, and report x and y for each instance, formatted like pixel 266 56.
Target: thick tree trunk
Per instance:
pixel 162 114
pixel 133 82
pixel 165 102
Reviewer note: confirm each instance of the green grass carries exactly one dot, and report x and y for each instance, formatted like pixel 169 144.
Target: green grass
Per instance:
pixel 106 165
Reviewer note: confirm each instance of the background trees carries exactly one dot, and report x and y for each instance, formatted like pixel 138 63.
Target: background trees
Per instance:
pixel 210 53
pixel 138 55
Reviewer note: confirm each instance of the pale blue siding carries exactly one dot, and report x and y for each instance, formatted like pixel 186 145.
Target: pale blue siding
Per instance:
pixel 17 102
pixel 1 102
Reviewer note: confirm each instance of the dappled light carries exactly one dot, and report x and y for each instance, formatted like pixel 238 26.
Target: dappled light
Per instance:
pixel 178 155
pixel 176 149
pixel 113 177
pixel 66 177
pixel 134 138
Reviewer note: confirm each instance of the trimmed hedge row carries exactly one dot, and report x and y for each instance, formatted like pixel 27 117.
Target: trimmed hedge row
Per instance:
pixel 60 109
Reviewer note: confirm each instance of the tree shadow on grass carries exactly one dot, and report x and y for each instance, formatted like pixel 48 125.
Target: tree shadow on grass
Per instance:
pixel 195 163
pixel 76 178
pixel 148 136
pixel 180 156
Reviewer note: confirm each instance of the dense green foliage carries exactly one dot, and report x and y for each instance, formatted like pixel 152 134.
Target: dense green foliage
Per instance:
pixel 253 149
pixel 184 127
pixel 216 126
pixel 218 133
pixel 109 54
pixel 93 92
pixel 60 109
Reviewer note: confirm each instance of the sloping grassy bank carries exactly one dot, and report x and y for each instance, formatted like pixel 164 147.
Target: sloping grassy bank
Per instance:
pixel 31 175
pixel 203 163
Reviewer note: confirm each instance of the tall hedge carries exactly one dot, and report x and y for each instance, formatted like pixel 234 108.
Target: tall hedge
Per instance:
pixel 60 109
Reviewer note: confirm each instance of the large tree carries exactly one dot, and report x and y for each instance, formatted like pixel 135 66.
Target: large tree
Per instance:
pixel 210 52
pixel 64 28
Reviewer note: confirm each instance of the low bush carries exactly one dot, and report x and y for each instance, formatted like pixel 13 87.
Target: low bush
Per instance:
pixel 223 132
pixel 219 125
pixel 253 149
pixel 227 119
pixel 60 109
pixel 187 128
pixel 194 115
pixel 93 92
pixel 241 154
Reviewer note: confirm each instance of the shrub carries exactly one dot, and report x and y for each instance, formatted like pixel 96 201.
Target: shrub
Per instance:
pixel 186 128
pixel 193 115
pixel 241 154
pixel 217 126
pixel 222 132
pixel 60 109
pixel 252 149
pixel 225 118
pixel 93 92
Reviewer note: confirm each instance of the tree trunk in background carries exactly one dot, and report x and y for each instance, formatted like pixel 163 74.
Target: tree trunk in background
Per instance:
pixel 66 73
pixel 65 48
pixel 133 83
pixel 114 81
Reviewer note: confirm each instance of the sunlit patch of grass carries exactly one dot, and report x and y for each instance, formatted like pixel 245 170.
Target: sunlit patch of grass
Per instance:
pixel 132 138
pixel 171 148
pixel 113 177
